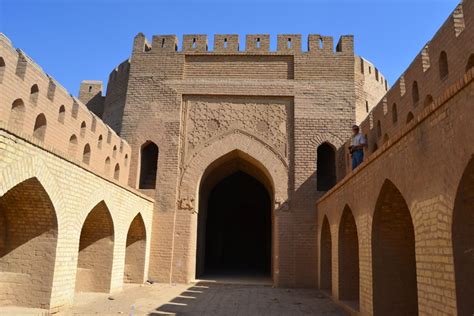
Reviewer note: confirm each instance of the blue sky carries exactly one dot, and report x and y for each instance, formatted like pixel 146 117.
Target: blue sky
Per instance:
pixel 75 40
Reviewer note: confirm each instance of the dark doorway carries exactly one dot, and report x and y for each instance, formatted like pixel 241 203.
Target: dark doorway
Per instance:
pixel 236 221
pixel 325 167
pixel 148 166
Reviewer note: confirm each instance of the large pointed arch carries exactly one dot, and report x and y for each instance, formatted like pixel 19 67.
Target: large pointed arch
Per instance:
pixel 272 169
pixel 260 154
pixel 393 255
pixel 96 249
pixel 463 241
pixel 227 184
pixel 28 239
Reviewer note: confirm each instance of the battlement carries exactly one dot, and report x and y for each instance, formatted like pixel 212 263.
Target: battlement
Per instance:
pixel 32 103
pixel 254 43
pixel 447 57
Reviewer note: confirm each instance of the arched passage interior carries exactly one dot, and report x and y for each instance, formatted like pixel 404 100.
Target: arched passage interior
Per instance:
pixel 348 259
pixel 234 221
pixel 28 237
pixel 135 251
pixel 96 248
pixel 393 255
pixel 325 271
pixel 463 242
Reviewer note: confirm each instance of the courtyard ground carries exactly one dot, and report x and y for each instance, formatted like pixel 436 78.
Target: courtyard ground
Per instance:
pixel 205 298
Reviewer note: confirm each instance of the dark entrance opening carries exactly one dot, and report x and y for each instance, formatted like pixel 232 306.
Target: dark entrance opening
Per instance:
pixel 234 236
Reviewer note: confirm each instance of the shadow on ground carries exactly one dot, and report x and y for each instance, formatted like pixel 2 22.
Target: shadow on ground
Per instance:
pixel 211 298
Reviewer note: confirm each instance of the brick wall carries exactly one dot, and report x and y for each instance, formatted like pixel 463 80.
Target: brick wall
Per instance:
pixel 52 209
pixel 36 104
pixel 404 199
pixel 187 101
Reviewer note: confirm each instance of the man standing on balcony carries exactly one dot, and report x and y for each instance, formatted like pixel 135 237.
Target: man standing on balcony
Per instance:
pixel 357 147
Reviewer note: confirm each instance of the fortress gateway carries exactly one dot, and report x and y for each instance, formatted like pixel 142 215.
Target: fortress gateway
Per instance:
pixel 197 162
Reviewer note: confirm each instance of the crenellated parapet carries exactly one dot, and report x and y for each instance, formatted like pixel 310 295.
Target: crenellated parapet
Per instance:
pixel 441 67
pixel 254 43
pixel 35 106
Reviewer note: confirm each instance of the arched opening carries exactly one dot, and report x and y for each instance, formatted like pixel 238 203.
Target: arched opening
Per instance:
pixel 61 114
pixel 17 113
pixel 385 138
pixel 463 241
pixel 86 154
pixel 443 65
pixel 348 259
pixel 83 129
pixel 99 142
pixel 410 117
pixel 34 92
pixel 428 100
pixel 2 69
pixel 114 152
pixel 135 251
pixel 28 236
pixel 394 113
pixel 393 255
pixel 107 166
pixel 125 160
pixel 325 268
pixel 379 129
pixel 234 221
pixel 39 130
pixel 325 167
pixel 148 165
pixel 415 93
pixel 117 172
pixel 96 248
pixel 72 148
pixel 470 63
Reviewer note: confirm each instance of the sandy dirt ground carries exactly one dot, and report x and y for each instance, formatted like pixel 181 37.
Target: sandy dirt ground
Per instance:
pixel 200 298
pixel 204 298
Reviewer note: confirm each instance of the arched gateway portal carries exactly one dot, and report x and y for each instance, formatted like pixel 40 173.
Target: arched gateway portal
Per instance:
pixel 235 219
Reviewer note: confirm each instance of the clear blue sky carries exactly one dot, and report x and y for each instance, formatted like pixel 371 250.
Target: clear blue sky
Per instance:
pixel 75 40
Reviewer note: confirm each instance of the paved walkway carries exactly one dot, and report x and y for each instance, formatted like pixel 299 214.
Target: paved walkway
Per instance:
pixel 205 298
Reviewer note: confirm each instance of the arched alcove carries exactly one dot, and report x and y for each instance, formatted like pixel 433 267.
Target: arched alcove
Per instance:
pixel 117 172
pixel 34 93
pixel 86 154
pixel 325 268
pixel 443 65
pixel 28 237
pixel 72 148
pixel 463 241
pixel 96 250
pixel 135 251
pixel 39 130
pixel 61 114
pixel 348 258
pixel 393 255
pixel 17 113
